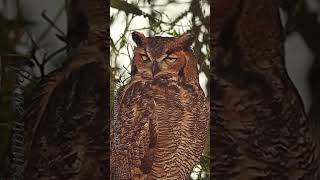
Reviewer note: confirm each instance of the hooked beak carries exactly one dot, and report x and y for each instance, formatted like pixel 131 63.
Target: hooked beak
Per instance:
pixel 155 68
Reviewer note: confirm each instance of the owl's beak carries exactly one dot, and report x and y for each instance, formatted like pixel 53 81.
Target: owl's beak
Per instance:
pixel 155 68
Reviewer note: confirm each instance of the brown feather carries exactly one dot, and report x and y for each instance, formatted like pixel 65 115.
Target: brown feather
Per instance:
pixel 67 119
pixel 160 120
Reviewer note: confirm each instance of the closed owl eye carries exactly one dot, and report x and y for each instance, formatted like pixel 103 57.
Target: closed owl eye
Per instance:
pixel 145 59
pixel 170 60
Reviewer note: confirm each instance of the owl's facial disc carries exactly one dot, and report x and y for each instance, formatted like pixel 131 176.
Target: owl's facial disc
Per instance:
pixel 171 59
pixel 155 68
pixel 161 57
pixel 145 59
pixel 152 64
pixel 169 66
pixel 163 64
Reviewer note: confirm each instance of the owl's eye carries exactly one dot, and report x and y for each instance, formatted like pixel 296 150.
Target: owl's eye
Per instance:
pixel 170 60
pixel 145 59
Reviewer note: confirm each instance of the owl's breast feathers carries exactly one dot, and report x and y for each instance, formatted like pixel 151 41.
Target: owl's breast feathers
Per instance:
pixel 68 108
pixel 158 131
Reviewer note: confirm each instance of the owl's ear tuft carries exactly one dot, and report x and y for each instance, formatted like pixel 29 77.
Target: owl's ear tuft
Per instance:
pixel 186 40
pixel 138 38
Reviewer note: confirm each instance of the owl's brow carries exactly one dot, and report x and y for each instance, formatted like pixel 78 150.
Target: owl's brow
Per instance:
pixel 171 56
pixel 173 50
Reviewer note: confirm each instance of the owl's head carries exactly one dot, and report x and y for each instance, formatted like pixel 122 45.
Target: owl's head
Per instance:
pixel 164 58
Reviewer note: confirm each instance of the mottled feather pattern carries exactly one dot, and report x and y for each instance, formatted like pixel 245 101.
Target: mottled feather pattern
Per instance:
pixel 259 129
pixel 173 132
pixel 59 120
pixel 67 117
pixel 130 132
pixel 180 144
pixel 160 118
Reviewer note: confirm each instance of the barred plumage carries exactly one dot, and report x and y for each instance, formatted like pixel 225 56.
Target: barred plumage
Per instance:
pixel 259 129
pixel 67 118
pixel 161 116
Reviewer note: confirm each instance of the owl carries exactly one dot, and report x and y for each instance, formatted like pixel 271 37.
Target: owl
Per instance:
pixel 67 113
pixel 160 118
pixel 260 129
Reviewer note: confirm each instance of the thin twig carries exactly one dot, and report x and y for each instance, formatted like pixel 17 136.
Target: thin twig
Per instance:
pixel 45 32
pixel 52 55
pixel 52 23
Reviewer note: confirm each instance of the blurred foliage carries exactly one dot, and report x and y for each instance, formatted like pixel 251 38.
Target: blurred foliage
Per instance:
pixel 306 23
pixel 21 55
pixel 159 22
pixel 11 31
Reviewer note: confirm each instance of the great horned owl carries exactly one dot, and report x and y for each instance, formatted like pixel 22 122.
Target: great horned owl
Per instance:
pixel 260 129
pixel 160 119
pixel 67 114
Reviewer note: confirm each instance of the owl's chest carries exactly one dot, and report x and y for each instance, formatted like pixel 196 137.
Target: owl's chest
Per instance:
pixel 169 97
pixel 172 104
pixel 173 95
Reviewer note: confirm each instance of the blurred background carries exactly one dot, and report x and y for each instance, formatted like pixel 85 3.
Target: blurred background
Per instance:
pixel 32 44
pixel 32 34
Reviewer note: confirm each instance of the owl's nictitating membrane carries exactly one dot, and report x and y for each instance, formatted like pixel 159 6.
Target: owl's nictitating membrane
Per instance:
pixel 160 118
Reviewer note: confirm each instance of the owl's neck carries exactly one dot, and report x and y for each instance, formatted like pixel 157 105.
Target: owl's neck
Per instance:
pixel 160 77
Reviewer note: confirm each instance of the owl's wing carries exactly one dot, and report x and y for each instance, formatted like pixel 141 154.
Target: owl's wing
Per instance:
pixel 133 132
pixel 64 119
